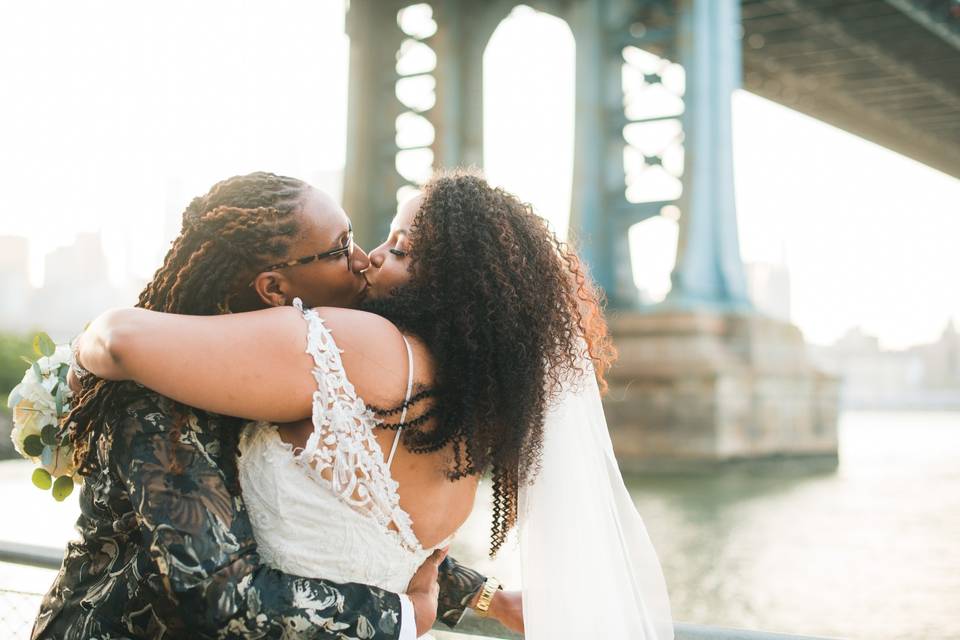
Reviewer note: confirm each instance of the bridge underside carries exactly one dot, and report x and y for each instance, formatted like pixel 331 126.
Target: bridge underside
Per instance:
pixel 885 70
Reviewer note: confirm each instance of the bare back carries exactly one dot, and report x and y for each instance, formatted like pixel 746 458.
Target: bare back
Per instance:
pixel 375 359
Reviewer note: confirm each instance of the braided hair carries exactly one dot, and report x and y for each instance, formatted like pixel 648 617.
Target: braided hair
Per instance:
pixel 227 235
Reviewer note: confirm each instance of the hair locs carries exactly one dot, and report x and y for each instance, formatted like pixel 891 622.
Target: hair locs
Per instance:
pixel 242 223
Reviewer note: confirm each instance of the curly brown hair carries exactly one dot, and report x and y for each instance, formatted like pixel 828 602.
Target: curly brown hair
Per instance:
pixel 506 309
pixel 227 234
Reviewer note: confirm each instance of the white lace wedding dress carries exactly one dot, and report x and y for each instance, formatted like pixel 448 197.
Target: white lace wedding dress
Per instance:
pixel 331 509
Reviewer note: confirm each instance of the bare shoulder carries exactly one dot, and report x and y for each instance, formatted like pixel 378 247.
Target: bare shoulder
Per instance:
pixel 374 355
pixel 359 331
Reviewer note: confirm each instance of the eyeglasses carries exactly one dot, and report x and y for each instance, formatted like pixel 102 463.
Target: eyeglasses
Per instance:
pixel 346 250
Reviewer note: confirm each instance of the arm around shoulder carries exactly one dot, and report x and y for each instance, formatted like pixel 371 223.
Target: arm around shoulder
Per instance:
pixel 252 365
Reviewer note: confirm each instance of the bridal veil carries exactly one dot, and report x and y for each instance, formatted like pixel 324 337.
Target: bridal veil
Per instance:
pixel 589 568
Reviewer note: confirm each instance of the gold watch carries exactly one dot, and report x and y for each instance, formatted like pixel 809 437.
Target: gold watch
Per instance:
pixel 486 595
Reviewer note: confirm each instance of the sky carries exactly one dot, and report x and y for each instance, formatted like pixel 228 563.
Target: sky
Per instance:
pixel 115 115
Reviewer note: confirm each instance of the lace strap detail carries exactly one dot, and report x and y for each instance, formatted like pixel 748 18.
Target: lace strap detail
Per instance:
pixel 342 451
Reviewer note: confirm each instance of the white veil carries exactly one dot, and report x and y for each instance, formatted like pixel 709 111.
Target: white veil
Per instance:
pixel 589 568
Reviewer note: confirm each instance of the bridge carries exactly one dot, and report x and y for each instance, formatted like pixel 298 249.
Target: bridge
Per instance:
pixel 703 378
pixel 885 70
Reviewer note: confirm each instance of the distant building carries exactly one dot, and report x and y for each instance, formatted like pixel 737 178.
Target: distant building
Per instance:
pixel 941 359
pixel 77 265
pixel 76 288
pixel 921 377
pixel 769 286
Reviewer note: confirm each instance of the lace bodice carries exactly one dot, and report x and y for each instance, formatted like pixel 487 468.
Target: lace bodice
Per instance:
pixel 330 509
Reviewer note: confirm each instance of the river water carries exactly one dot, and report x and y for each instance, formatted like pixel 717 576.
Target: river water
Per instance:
pixel 870 550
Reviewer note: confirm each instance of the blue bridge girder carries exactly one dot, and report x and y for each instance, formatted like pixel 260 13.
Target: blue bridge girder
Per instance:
pixel 887 70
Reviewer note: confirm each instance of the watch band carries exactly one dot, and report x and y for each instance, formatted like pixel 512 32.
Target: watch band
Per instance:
pixel 486 595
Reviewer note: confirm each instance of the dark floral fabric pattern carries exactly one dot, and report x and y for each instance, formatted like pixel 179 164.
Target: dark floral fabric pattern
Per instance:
pixel 167 551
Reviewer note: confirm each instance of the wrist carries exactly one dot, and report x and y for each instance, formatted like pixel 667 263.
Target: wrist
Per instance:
pixel 77 369
pixel 493 611
pixel 424 612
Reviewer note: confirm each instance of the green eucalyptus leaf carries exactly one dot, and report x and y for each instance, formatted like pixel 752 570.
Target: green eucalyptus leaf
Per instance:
pixel 33 445
pixel 41 479
pixel 58 401
pixel 62 487
pixel 48 435
pixel 63 371
pixel 36 370
pixel 62 397
pixel 46 458
pixel 43 345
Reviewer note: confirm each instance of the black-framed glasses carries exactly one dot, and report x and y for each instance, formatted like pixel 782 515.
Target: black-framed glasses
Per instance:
pixel 346 250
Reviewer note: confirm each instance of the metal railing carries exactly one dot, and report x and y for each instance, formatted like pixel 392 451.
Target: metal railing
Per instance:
pixel 31 555
pixel 48 558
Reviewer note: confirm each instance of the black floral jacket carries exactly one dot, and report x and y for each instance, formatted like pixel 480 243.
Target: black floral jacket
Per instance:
pixel 167 551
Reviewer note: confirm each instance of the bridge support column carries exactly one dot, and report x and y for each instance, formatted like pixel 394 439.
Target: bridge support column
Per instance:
pixel 370 180
pixel 709 272
pixel 703 378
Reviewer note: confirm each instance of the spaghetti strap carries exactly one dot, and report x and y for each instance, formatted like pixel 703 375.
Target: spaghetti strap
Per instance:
pixel 406 400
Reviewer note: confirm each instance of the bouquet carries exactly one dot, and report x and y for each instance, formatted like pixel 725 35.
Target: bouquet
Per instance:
pixel 39 402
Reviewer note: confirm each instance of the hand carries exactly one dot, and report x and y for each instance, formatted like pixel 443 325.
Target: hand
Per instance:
pixel 424 591
pixel 76 370
pixel 73 380
pixel 507 608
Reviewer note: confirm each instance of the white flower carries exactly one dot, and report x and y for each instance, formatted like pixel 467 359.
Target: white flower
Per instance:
pixel 49 364
pixel 30 377
pixel 24 425
pixel 35 398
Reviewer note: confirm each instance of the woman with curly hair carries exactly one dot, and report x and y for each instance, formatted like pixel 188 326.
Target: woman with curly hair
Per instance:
pixel 481 338
pixel 166 546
